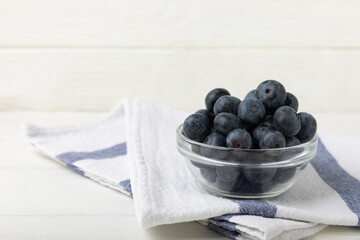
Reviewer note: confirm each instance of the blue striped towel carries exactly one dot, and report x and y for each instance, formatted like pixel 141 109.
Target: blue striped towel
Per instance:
pixel 133 150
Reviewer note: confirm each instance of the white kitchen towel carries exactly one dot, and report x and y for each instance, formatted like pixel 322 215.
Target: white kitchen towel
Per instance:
pixel 140 138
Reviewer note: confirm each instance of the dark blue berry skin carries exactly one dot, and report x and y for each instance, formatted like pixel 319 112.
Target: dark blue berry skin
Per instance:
pixel 258 176
pixel 287 121
pixel 214 139
pixel 226 122
pixel 261 129
pixel 247 187
pixel 292 141
pixel 239 138
pixel 308 127
pixel 197 127
pixel 232 186
pixel 209 174
pixel 213 96
pixel 272 93
pixel 251 111
pixel 284 175
pixel 251 94
pixel 272 139
pixel 207 114
pixel 227 104
pixel 227 174
pixel 291 101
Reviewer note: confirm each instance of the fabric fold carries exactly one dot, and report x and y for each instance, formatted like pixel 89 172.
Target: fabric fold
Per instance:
pixel 133 150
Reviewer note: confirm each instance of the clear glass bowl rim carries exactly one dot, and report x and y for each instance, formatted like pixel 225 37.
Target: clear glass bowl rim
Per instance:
pixel 209 161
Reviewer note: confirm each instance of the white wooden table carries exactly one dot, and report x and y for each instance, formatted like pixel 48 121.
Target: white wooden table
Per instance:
pixel 41 199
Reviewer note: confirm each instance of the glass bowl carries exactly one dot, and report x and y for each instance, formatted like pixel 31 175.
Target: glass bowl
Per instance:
pixel 245 173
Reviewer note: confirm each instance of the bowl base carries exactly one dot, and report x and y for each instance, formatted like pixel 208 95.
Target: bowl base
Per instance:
pixel 234 195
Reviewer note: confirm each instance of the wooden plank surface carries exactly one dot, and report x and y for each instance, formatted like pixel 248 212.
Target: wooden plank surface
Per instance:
pixel 95 79
pixel 41 199
pixel 178 23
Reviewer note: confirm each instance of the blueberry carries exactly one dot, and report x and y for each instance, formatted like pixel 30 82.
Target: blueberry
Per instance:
pixel 247 187
pixel 227 104
pixel 208 174
pixel 232 186
pixel 225 122
pixel 259 175
pixel 239 138
pixel 197 127
pixel 207 114
pixel 227 174
pixel 239 183
pixel 261 129
pixel 272 93
pixel 272 139
pixel 251 94
pixel 224 186
pixel 213 96
pixel 291 101
pixel 214 139
pixel 308 127
pixel 292 141
pixel 287 121
pixel 284 175
pixel 251 111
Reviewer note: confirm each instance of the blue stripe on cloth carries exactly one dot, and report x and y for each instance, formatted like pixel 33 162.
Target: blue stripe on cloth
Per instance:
pixel 126 184
pixel 75 169
pixel 337 178
pixel 223 231
pixel 256 207
pixel 110 152
pixel 226 225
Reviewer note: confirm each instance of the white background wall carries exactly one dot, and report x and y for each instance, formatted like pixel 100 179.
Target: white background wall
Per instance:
pixel 87 54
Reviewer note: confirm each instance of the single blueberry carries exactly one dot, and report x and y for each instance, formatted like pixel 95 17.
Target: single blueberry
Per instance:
pixel 213 96
pixel 227 174
pixel 227 104
pixel 272 93
pixel 251 111
pixel 261 129
pixel 225 122
pixel 308 127
pixel 284 175
pixel 258 176
pixel 197 127
pixel 239 138
pixel 251 94
pixel 291 101
pixel 214 139
pixel 287 121
pixel 207 114
pixel 292 141
pixel 209 174
pixel 272 139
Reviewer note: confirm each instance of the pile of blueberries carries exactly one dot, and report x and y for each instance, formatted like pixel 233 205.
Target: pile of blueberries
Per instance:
pixel 266 118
